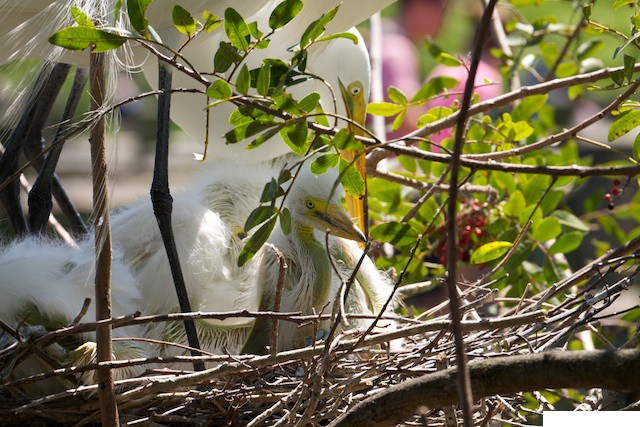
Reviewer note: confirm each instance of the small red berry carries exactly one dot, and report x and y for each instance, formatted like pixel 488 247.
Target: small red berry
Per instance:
pixel 615 191
pixel 616 182
pixel 611 206
pixel 478 231
pixel 607 197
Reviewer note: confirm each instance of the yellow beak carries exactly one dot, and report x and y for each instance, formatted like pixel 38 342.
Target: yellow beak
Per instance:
pixel 340 224
pixel 356 111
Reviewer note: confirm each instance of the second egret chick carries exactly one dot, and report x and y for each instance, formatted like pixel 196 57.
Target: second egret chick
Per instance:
pixel 44 285
pixel 312 282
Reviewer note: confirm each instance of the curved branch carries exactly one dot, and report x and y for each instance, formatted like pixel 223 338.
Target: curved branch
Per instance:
pixel 617 370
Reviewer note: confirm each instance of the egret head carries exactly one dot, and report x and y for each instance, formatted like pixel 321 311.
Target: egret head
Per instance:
pixel 316 205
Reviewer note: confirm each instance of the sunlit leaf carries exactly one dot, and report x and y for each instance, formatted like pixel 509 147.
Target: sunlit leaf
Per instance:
pixel 80 38
pixel 284 13
pixel 490 251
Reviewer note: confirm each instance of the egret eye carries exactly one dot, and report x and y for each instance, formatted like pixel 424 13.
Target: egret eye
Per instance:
pixel 310 204
pixel 355 91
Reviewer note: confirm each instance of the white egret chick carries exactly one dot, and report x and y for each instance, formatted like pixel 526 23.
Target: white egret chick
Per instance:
pixel 311 283
pixel 44 285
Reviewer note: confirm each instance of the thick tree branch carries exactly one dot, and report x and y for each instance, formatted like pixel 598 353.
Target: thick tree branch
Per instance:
pixel 617 370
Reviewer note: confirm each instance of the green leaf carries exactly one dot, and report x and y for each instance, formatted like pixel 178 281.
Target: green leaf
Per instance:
pixel 397 122
pixel 262 138
pixel 396 233
pixel 236 29
pixel 219 89
pixel 81 18
pixel 441 56
pixel 528 107
pixel 619 3
pixel 211 21
pixel 317 27
pixel 323 163
pixel 396 95
pixel 351 179
pixel 309 102
pixel 587 10
pixel 386 109
pixel 515 204
pixel 345 140
pixel 284 13
pixel 272 190
pixel 566 243
pixel 80 38
pixel 295 136
pixel 247 130
pixel 116 10
pixel 569 220
pixel 264 80
pixel 549 228
pixel 243 81
pixel 256 241
pixel 624 123
pixel 490 251
pixel 630 40
pixel 258 216
pixel 436 113
pixel 136 10
pixel 285 221
pixel 184 22
pixel 434 87
pixel 636 148
pixel 344 35
pixel 225 56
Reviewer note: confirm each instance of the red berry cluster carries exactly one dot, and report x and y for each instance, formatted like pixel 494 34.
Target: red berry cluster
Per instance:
pixel 615 192
pixel 471 220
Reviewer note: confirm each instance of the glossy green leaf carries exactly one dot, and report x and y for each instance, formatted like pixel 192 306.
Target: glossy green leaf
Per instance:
pixel 323 163
pixel 183 21
pixel 236 29
pixel 247 130
pixel 528 107
pixel 566 243
pixel 309 102
pixel 136 10
pixel 385 109
pixel 256 241
pixel 345 140
pixel 285 221
pixel 264 80
pixel 434 87
pixel 284 13
pixel 569 220
pixel 219 89
pixel 258 216
pixel 351 179
pixel 81 18
pixel 225 57
pixel 211 21
pixel 549 228
pixel 316 28
pixel 243 82
pixel 263 137
pixel 396 233
pixel 636 148
pixel 295 136
pixel 80 38
pixel 271 191
pixel 344 35
pixel 396 95
pixel 624 123
pixel 490 251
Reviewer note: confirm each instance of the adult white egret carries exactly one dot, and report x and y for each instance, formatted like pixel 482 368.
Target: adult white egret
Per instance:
pixel 196 211
pixel 44 285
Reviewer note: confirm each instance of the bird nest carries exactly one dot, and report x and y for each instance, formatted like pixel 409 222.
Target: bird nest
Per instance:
pixel 316 384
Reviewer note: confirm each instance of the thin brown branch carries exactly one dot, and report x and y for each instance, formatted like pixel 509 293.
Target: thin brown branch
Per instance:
pixel 102 227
